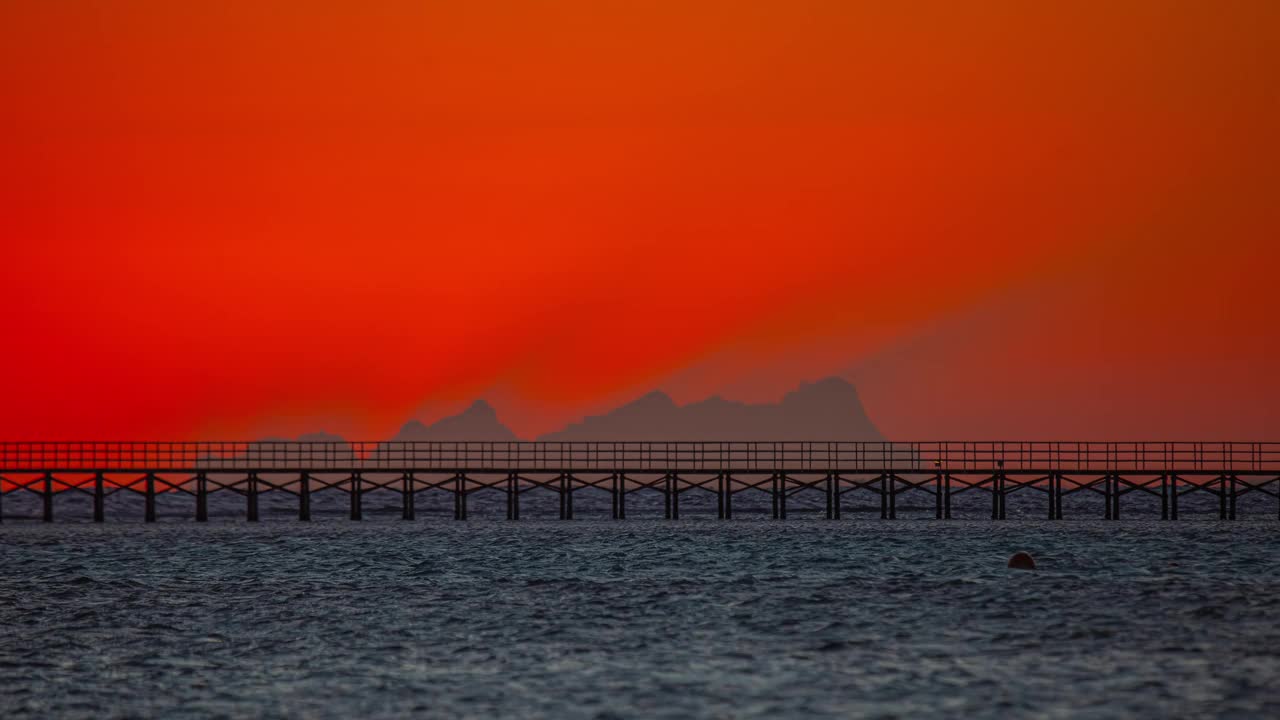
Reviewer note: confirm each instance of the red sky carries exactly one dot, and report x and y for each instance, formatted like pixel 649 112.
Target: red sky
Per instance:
pixel 1015 220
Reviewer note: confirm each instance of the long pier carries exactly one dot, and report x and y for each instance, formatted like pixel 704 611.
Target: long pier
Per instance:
pixel 1164 471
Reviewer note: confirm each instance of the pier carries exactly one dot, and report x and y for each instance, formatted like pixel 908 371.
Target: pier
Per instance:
pixel 1162 472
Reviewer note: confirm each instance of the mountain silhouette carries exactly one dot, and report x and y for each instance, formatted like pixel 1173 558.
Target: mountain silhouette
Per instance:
pixel 824 410
pixel 478 422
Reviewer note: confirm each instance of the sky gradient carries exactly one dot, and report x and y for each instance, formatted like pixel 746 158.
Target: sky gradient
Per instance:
pixel 1001 220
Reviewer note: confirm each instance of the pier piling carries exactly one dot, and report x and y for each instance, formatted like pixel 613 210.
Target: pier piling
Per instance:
pixel 251 497
pixel 356 493
pixel 460 498
pixel 1001 493
pixel 304 496
pixel 47 498
pixel 99 495
pixel 202 498
pixel 937 493
pixel 407 509
pixel 149 511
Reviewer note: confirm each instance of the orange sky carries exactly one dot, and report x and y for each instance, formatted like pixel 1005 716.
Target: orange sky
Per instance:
pixel 231 219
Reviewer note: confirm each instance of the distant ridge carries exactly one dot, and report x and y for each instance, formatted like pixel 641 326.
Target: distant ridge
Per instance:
pixel 828 409
pixel 478 422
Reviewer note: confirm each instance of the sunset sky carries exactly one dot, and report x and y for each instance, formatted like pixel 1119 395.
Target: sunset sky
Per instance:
pixel 1011 220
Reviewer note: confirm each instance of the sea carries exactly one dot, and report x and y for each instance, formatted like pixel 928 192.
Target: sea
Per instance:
pixel 639 618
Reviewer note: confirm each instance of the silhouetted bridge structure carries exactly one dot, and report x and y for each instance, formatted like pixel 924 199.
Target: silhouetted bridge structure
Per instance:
pixel 1166 471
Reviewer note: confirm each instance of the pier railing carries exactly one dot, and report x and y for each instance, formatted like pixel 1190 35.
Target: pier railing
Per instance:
pixel 796 456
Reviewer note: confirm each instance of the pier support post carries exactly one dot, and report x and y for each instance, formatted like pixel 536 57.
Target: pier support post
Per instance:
pixel 773 495
pixel 515 496
pixel 720 496
pixel 1231 508
pixel 1115 497
pixel 1222 497
pixel 1173 497
pixel 666 496
pixel 460 496
pixel 304 496
pixel 568 496
pixel 1057 500
pixel 407 509
pixel 251 494
pixel 99 495
pixel 937 493
pixel 728 496
pixel 830 486
pixel 675 496
pixel 1052 494
pixel 511 496
pixel 356 493
pixel 613 495
pixel 622 496
pixel 202 497
pixel 782 496
pixel 1001 496
pixel 1106 496
pixel 946 498
pixel 893 496
pixel 47 496
pixel 884 497
pixel 1164 496
pixel 149 511
pixel 836 496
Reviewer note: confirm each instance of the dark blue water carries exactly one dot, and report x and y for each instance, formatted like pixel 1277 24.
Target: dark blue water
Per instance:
pixel 642 618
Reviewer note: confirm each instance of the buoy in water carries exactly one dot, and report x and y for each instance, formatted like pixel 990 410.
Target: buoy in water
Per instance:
pixel 1022 561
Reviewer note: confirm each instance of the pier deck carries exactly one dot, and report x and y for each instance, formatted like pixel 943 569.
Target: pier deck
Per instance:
pixel 1164 470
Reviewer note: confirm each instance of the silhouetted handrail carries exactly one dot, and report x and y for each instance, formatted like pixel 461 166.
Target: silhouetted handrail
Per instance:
pixel 662 456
